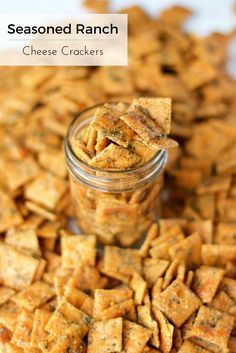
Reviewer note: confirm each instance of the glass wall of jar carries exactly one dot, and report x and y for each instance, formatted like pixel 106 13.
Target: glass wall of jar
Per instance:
pixel 117 206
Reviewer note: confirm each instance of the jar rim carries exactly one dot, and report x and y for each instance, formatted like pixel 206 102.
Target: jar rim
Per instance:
pixel 79 168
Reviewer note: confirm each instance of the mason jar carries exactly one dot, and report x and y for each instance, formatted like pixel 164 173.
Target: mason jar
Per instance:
pixel 117 206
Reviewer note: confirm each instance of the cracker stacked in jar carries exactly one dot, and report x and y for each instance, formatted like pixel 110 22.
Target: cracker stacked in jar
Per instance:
pixel 116 154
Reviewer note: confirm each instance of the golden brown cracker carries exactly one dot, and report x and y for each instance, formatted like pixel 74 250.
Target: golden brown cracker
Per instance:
pixel 78 250
pixel 188 249
pixel 159 110
pixel 114 157
pixel 106 336
pixel 134 337
pixel 166 331
pixel 17 270
pixel 206 282
pixel 177 302
pixel 46 190
pixel 34 296
pixel 211 329
pixel 9 214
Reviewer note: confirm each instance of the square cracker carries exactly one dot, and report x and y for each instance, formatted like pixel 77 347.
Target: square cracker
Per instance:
pixel 197 74
pixel 141 123
pixel 175 16
pixel 114 212
pixel 5 294
pixel 69 342
pixel 19 172
pixel 161 249
pixel 228 285
pixel 9 313
pixel 23 238
pixel 53 161
pixel 223 302
pixel 225 233
pixel 17 270
pixel 177 302
pixel 135 337
pixel 189 250
pixel 78 250
pixel 79 299
pixel 218 254
pixel 34 296
pixel 111 303
pixel 87 279
pixel 159 110
pixel 107 120
pixel 22 332
pixel 114 157
pixel 68 316
pixel 46 190
pixel 211 330
pixel 121 263
pixel 40 211
pixel 206 282
pixel 106 336
pixel 9 214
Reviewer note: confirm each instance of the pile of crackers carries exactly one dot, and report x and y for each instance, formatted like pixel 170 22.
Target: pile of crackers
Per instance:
pixel 177 292
pixel 170 295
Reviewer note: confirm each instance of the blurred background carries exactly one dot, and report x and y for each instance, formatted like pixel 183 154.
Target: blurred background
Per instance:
pixel 209 16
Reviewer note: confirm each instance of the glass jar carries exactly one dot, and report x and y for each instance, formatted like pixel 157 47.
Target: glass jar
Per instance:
pixel 117 206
